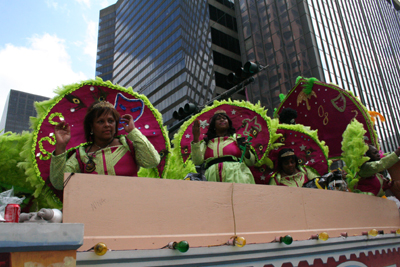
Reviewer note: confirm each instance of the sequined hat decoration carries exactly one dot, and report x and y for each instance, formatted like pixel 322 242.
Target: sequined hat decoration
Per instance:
pixel 287 154
pixel 220 111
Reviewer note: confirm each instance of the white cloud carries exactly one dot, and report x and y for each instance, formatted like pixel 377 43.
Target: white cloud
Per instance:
pixel 37 69
pixel 84 2
pixel 52 3
pixel 57 6
pixel 92 3
pixel 107 3
pixel 91 38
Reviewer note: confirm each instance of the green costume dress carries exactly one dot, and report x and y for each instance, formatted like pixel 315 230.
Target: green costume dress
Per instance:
pixel 225 153
pixel 372 180
pixel 122 160
pixel 295 180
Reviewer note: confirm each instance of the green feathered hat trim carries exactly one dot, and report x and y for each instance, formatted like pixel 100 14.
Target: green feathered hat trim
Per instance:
pixel 299 78
pixel 274 126
pixel 354 149
pixel 31 168
pixel 44 197
pixel 282 97
pixel 179 169
pixel 11 145
pixel 308 83
pixel 307 89
pixel 12 176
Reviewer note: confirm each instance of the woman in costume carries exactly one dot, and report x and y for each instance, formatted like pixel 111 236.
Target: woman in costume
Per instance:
pixel 105 153
pixel 290 173
pixel 221 153
pixel 372 181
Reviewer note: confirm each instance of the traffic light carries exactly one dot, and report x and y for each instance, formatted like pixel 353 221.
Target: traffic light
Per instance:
pixel 185 111
pixel 243 73
pixel 251 67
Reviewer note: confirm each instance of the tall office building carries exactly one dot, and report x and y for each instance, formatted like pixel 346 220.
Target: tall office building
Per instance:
pixel 17 110
pixel 225 43
pixel 354 44
pixel 105 43
pixel 173 52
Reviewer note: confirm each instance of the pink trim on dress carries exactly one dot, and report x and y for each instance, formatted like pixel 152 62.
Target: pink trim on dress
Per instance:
pixel 220 165
pixel 231 149
pixel 104 162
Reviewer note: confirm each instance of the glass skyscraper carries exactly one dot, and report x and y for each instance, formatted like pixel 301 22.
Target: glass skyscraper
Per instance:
pixel 166 49
pixel 225 43
pixel 354 44
pixel 105 43
pixel 18 109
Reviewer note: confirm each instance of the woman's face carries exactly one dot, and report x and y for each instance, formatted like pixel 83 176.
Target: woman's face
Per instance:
pixel 221 123
pixel 104 127
pixel 289 166
pixel 373 153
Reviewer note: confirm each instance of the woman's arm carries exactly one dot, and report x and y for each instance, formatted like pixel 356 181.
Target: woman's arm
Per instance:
pixel 145 154
pixel 60 165
pixel 62 132
pixel 198 150
pixel 370 168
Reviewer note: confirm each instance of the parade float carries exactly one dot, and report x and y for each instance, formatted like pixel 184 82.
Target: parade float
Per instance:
pixel 163 219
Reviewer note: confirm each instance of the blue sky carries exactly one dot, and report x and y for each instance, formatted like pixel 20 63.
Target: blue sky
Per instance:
pixel 45 44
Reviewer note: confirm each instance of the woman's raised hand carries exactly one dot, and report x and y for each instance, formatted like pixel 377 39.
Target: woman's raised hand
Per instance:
pixel 62 132
pixel 196 131
pixel 127 122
